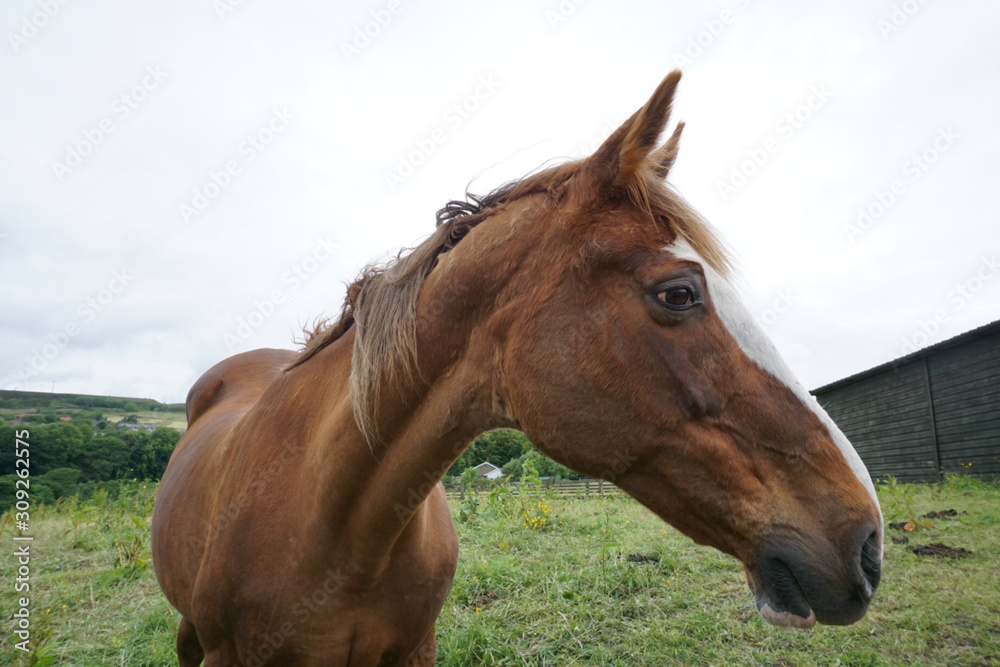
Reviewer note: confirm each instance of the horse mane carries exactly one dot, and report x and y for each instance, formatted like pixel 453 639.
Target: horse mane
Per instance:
pixel 381 304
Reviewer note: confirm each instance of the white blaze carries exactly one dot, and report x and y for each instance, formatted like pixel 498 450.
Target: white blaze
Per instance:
pixel 755 343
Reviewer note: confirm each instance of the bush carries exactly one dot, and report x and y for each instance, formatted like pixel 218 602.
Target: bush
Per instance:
pixel 545 466
pixel 39 492
pixel 498 447
pixel 62 482
pixel 69 458
pixel 7 491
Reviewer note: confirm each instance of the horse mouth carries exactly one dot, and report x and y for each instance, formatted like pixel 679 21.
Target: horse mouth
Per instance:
pixel 799 583
pixel 779 598
pixel 783 617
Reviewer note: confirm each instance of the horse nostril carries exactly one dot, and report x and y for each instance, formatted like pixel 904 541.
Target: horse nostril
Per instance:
pixel 871 561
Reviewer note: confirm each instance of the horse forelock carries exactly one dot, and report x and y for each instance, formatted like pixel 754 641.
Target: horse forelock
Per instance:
pixel 660 202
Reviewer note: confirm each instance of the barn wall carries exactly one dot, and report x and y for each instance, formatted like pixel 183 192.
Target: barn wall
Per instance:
pixel 932 415
pixel 965 382
pixel 887 419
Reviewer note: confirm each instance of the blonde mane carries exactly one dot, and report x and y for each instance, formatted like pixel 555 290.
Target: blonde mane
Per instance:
pixel 381 305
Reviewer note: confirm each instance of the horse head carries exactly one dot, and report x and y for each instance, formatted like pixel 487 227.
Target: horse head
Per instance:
pixel 604 313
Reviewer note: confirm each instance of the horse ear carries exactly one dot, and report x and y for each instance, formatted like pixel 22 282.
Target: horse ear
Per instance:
pixel 665 156
pixel 620 157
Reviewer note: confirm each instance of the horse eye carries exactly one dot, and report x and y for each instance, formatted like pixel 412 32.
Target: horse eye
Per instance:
pixel 679 297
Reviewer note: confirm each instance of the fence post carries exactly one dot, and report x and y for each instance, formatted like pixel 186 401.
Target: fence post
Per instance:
pixel 930 408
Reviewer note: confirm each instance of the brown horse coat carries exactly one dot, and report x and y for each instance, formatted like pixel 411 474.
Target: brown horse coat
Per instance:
pixel 301 520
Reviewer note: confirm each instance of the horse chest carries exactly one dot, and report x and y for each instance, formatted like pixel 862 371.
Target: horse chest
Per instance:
pixel 272 597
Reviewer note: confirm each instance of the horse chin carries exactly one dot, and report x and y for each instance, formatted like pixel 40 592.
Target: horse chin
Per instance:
pixel 781 604
pixel 785 619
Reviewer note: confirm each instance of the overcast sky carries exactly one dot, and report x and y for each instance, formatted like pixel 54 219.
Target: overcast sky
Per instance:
pixel 169 169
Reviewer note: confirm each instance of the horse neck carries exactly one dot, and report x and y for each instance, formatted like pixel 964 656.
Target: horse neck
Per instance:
pixel 376 491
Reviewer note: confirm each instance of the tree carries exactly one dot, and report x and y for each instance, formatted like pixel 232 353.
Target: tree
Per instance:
pixel 7 448
pixel 163 440
pixel 62 481
pixel 513 468
pixel 7 489
pixel 141 457
pixel 545 466
pixel 61 445
pixel 40 492
pixel 504 445
pixel 109 457
pixel 498 447
pixel 53 446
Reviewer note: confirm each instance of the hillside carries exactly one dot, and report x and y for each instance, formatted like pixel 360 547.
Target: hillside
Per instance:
pixel 43 406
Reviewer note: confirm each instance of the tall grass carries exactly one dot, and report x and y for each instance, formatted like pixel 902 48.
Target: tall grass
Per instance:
pixel 546 580
pixel 94 600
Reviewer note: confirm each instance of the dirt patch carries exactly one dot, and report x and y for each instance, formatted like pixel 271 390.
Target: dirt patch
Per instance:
pixel 640 559
pixel 925 518
pixel 943 514
pixel 900 540
pixel 484 600
pixel 939 550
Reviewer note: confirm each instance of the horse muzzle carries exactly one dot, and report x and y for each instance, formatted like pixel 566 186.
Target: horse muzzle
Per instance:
pixel 797 582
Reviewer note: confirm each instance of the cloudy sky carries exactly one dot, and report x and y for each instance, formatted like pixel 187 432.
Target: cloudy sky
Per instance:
pixel 181 181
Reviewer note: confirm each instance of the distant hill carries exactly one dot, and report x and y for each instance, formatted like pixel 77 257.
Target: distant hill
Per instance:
pixel 36 400
pixel 82 444
pixel 41 406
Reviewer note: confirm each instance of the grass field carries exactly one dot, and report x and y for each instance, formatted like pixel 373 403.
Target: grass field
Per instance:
pixel 555 587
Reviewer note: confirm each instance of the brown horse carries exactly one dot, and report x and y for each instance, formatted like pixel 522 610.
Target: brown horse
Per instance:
pixel 301 520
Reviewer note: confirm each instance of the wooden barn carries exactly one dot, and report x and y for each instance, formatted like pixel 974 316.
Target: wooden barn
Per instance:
pixel 933 412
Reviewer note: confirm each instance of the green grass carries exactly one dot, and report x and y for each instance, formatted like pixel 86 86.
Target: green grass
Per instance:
pixel 94 599
pixel 561 594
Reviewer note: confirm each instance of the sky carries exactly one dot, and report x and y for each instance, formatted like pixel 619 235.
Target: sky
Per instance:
pixel 183 181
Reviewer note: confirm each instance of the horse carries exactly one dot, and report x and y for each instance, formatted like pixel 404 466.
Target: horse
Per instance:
pixel 301 520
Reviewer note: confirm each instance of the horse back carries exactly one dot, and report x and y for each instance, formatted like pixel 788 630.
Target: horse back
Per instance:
pixel 243 376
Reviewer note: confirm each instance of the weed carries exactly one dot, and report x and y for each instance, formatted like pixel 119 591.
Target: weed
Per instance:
pixel 469 509
pixel 132 528
pixel 536 516
pixel 7 520
pixel 897 503
pixel 963 481
pixel 500 501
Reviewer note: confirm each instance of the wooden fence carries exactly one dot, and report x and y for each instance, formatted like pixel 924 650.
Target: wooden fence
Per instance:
pixel 564 487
